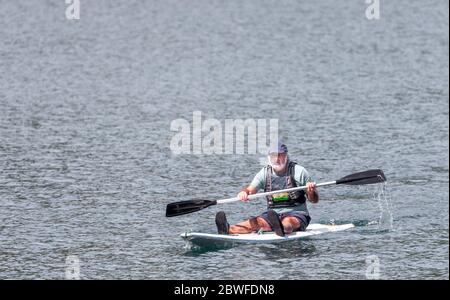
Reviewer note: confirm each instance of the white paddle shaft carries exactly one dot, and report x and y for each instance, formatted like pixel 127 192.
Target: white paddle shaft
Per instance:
pixel 235 199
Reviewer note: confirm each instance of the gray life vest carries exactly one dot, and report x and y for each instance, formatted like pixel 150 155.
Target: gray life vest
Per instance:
pixel 283 182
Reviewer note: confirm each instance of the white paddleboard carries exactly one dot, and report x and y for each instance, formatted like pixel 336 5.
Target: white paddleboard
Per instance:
pixel 202 239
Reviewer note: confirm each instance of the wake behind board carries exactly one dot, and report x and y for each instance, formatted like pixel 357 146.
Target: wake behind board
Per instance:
pixel 203 239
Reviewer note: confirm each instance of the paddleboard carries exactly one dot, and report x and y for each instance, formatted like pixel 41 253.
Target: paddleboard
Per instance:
pixel 202 239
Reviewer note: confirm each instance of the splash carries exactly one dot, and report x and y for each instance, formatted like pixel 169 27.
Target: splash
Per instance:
pixel 384 200
pixel 188 246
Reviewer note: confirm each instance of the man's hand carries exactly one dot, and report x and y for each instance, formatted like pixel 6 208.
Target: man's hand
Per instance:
pixel 311 187
pixel 243 196
pixel 311 192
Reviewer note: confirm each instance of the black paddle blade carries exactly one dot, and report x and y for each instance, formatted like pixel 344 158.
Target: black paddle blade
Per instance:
pixel 366 177
pixel 186 207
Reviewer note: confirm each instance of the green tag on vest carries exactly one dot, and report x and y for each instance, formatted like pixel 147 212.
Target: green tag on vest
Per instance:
pixel 280 197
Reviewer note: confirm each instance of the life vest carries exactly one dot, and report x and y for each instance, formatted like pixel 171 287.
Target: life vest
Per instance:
pixel 283 182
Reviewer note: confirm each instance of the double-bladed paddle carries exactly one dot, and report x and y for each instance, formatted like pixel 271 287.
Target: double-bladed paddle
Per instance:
pixel 189 206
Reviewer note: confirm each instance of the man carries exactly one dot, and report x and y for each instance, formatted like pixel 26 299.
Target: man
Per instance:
pixel 287 212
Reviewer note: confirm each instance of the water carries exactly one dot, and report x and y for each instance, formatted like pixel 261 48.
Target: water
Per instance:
pixel 86 107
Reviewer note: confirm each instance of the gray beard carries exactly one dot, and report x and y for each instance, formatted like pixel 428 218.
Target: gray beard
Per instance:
pixel 280 168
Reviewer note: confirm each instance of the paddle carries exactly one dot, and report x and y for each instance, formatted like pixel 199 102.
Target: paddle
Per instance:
pixel 189 206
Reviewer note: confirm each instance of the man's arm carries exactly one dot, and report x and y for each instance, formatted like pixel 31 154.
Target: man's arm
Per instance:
pixel 302 178
pixel 257 183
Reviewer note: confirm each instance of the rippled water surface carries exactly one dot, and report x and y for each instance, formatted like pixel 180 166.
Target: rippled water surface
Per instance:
pixel 85 114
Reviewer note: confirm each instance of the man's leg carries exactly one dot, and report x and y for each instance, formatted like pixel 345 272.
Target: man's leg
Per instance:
pixel 290 224
pixel 251 225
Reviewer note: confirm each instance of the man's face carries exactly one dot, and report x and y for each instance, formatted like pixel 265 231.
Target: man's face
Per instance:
pixel 278 161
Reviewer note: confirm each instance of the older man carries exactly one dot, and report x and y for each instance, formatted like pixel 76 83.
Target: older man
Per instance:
pixel 287 212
